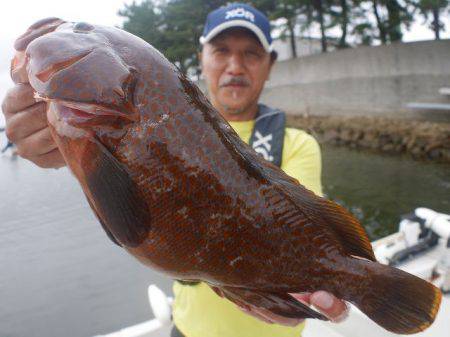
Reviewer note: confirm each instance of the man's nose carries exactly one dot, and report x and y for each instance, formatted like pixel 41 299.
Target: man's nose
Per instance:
pixel 236 64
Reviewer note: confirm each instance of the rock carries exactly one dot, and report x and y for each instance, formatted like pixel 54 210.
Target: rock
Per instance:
pixel 357 135
pixel 370 136
pixel 330 135
pixel 416 151
pixel 388 148
pixel 420 139
pixel 434 154
pixel 346 135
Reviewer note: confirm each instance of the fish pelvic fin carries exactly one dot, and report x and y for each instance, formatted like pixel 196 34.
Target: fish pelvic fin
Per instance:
pixel 400 302
pixel 281 304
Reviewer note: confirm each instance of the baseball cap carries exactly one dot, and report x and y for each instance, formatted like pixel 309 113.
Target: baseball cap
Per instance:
pixel 238 15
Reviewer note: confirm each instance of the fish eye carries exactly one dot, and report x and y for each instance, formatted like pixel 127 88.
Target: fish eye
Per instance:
pixel 82 27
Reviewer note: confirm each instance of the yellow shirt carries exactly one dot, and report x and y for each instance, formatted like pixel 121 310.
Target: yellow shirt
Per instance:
pixel 198 311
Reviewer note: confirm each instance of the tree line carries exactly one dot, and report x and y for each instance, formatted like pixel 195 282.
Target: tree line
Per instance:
pixel 175 26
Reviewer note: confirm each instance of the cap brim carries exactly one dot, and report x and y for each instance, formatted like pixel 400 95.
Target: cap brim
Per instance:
pixel 237 23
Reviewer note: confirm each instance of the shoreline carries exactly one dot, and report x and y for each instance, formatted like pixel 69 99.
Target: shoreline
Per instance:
pixel 421 140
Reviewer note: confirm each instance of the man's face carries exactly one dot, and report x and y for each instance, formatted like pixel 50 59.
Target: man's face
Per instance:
pixel 235 67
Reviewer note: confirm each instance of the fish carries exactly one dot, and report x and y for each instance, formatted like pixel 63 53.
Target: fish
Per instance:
pixel 172 184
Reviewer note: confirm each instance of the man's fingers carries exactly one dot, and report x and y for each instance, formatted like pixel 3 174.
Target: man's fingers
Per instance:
pixel 37 144
pixel 26 122
pixel 269 317
pixel 37 29
pixel 19 97
pixel 19 72
pixel 302 297
pixel 250 312
pixel 275 318
pixel 335 309
pixel 53 159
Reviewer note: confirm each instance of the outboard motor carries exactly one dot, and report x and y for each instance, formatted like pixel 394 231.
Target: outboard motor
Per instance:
pixel 440 224
pixel 414 239
pixel 419 232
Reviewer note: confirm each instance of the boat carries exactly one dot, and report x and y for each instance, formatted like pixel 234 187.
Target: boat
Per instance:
pixel 421 246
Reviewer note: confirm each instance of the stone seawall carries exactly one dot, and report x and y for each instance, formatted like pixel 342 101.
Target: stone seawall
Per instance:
pixel 421 140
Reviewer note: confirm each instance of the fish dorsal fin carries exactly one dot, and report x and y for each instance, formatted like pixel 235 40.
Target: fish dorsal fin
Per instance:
pixel 115 198
pixel 348 230
pixel 352 235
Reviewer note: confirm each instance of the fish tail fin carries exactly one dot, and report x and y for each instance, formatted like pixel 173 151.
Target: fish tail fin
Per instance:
pixel 398 301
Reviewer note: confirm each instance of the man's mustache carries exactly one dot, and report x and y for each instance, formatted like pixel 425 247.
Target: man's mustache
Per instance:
pixel 235 80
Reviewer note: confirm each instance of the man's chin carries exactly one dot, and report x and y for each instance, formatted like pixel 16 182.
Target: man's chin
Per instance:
pixel 234 106
pixel 234 111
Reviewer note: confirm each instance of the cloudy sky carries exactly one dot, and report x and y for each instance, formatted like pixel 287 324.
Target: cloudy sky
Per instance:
pixel 17 15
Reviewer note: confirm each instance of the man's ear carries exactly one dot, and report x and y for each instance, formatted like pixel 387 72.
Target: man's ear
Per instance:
pixel 200 60
pixel 273 58
pixel 200 63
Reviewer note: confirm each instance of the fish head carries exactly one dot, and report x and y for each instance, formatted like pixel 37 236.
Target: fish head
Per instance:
pixel 89 75
pixel 78 69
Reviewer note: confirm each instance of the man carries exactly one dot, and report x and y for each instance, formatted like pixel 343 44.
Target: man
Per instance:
pixel 236 61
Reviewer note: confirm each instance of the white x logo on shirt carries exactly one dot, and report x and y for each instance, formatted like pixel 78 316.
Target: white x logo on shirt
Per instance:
pixel 261 140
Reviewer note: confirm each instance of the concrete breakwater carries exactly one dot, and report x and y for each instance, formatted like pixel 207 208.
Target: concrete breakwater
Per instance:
pixel 421 140
pixel 366 81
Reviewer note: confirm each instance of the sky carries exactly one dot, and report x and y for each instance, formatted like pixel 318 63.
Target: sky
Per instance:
pixel 17 15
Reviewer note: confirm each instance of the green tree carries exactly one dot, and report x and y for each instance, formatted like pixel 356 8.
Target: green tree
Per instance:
pixel 174 27
pixel 286 9
pixel 145 21
pixel 380 22
pixel 390 28
pixel 344 23
pixel 435 8
pixel 184 20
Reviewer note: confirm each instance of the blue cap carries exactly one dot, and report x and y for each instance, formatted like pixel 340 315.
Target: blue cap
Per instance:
pixel 238 15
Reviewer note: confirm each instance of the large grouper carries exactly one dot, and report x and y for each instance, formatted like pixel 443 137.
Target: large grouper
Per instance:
pixel 172 183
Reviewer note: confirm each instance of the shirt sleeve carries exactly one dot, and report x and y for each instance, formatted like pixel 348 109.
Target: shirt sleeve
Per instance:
pixel 302 159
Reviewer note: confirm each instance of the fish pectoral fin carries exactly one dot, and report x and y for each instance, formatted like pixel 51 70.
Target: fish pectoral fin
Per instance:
pixel 280 304
pixel 115 199
pixel 105 228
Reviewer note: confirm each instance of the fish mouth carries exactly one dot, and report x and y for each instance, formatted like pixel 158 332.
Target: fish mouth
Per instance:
pixel 46 74
pixel 78 113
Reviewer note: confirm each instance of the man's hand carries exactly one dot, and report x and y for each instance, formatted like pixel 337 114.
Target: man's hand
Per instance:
pixel 335 309
pixel 26 127
pixel 26 120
